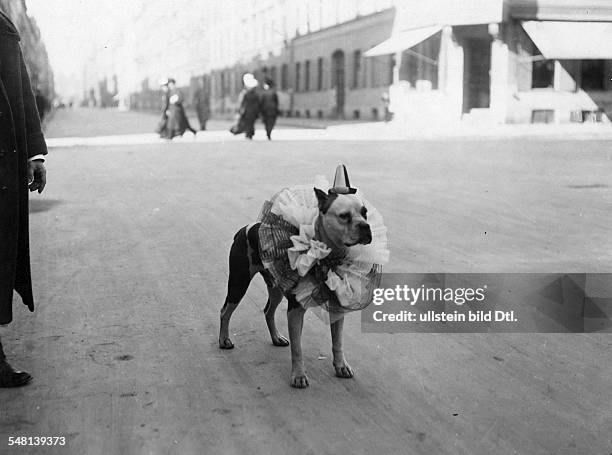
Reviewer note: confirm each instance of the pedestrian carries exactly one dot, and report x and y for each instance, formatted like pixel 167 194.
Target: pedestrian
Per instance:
pixel 22 150
pixel 162 125
pixel 201 102
pixel 249 107
pixel 269 106
pixel 178 122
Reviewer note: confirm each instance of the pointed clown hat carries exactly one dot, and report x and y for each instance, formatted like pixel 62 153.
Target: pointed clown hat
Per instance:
pixel 341 182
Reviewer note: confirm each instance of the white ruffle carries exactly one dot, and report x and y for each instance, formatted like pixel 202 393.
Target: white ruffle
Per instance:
pixel 306 251
pixel 298 205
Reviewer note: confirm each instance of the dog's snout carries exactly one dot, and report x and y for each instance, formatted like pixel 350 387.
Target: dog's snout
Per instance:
pixel 365 234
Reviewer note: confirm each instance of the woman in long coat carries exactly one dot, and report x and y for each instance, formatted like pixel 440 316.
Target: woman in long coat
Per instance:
pixel 162 126
pixel 178 122
pixel 249 105
pixel 21 140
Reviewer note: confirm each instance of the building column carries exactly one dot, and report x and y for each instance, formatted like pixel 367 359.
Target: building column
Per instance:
pixel 499 75
pixel 450 73
pixel 397 67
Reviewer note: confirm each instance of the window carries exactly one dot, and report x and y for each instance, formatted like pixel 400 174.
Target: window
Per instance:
pixel 307 75
pixel 237 80
pixel 320 73
pixel 542 73
pixel 356 69
pixel 222 83
pixel 592 75
pixel 231 86
pixel 421 63
pixel 378 69
pixel 284 77
pixel 298 69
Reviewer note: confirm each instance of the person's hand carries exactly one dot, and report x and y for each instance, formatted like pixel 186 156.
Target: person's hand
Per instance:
pixel 37 175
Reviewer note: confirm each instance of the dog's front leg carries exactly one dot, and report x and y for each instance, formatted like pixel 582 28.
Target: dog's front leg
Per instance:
pixel 295 321
pixel 343 369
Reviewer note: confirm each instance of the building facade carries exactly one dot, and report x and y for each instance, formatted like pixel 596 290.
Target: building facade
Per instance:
pixel 266 37
pixel 496 61
pixel 440 61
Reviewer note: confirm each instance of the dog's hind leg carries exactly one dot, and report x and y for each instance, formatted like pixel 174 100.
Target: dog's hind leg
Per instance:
pixel 237 285
pixel 343 369
pixel 275 296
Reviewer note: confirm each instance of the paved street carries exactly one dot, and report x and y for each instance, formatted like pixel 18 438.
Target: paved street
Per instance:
pixel 129 250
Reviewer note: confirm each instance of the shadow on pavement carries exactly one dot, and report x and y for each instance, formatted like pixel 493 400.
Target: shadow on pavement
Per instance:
pixel 42 205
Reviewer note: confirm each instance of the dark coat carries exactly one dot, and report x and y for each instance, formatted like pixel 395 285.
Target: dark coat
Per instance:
pixel 249 107
pixel 249 111
pixel 178 122
pixel 162 125
pixel 20 139
pixel 269 103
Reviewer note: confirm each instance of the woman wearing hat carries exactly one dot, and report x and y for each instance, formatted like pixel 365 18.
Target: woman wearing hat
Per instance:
pixel 162 126
pixel 178 122
pixel 249 107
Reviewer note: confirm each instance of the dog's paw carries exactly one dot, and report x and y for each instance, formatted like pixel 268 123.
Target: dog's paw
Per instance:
pixel 226 344
pixel 344 370
pixel 280 340
pixel 299 380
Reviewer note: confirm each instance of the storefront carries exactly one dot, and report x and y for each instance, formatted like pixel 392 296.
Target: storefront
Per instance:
pixel 495 61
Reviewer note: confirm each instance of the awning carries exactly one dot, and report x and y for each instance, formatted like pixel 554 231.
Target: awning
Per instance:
pixel 411 14
pixel 571 40
pixel 403 40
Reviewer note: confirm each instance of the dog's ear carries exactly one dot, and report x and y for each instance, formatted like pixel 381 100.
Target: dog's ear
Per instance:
pixel 321 197
pixel 325 200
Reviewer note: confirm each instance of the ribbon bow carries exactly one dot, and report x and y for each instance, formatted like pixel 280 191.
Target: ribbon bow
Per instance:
pixel 306 251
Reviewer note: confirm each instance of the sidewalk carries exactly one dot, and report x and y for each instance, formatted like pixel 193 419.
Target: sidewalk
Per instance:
pixel 363 130
pixel 396 131
pixel 106 126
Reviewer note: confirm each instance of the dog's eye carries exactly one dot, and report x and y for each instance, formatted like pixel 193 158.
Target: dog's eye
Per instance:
pixel 364 213
pixel 345 216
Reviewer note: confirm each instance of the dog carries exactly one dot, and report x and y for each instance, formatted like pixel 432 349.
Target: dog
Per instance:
pixel 341 224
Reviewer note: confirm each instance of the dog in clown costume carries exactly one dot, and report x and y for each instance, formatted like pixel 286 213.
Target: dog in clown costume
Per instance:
pixel 320 249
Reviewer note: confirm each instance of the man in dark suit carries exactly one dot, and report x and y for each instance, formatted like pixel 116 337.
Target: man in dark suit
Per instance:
pixel 22 150
pixel 269 106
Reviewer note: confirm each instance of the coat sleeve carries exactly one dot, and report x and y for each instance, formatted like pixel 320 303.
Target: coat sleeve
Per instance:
pixel 35 140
